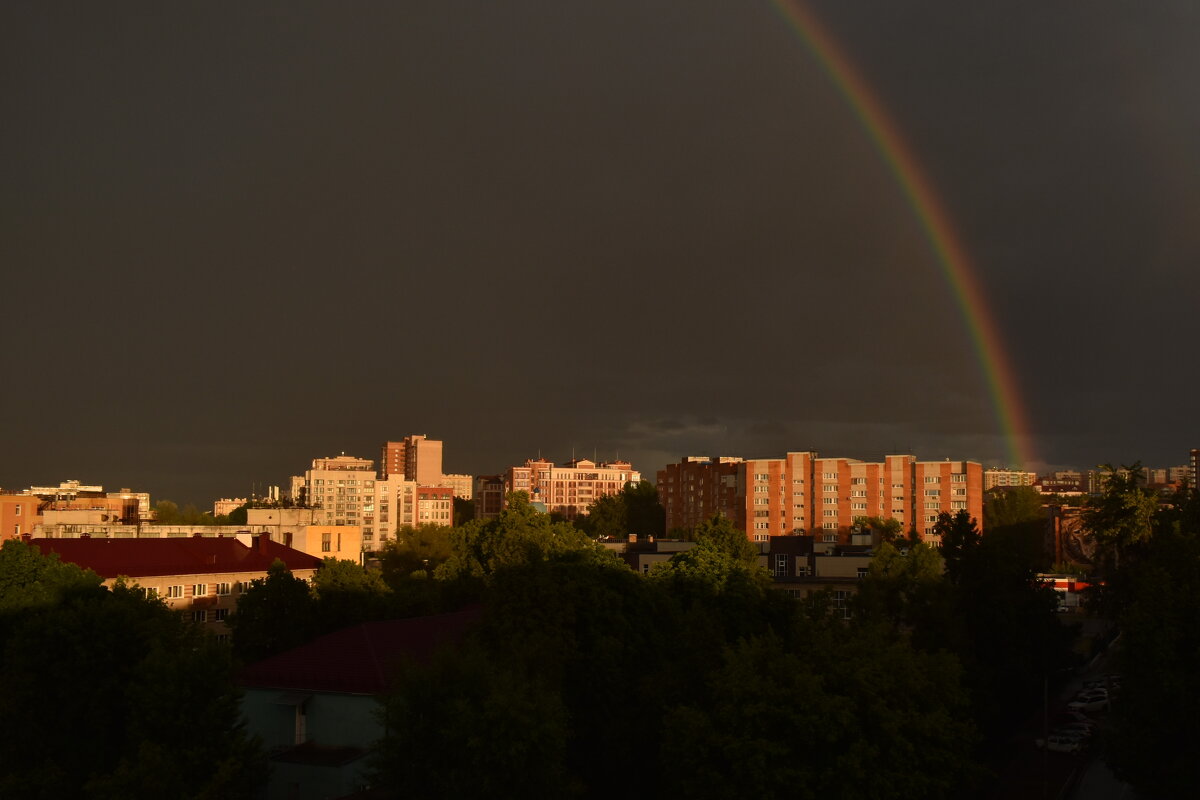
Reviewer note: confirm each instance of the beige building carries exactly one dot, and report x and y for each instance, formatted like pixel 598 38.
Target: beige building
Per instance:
pixel 227 504
pixel 1007 477
pixel 463 486
pixel 569 488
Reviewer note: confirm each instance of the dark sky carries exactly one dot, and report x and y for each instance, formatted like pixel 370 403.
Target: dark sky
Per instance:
pixel 237 236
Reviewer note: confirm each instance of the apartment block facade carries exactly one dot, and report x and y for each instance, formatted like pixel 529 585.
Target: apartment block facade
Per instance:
pixel 415 458
pixel 1007 477
pixel 346 491
pixel 804 493
pixel 569 489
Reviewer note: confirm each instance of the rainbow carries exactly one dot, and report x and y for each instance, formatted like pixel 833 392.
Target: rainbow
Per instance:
pixel 951 256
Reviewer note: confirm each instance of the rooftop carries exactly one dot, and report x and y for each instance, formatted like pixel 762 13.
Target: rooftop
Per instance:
pixel 136 558
pixel 358 660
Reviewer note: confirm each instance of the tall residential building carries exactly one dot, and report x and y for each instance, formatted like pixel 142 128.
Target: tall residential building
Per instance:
pixel 346 491
pixel 569 488
pixel 1007 477
pixel 804 493
pixel 414 458
pixel 1194 469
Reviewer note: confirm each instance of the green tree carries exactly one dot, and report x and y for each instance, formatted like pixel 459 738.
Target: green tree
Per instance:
pixel 29 579
pixel 1122 515
pixel 960 537
pixel 888 528
pixel 108 676
pixel 1007 506
pixel 1159 657
pixel 424 548
pixel 781 723
pixel 464 511
pixel 635 510
pixel 518 535
pixel 274 614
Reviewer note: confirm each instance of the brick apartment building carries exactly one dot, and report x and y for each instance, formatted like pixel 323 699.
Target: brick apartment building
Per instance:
pixel 804 493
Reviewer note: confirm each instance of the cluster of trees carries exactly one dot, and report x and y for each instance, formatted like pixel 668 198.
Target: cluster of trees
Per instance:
pixel 699 680
pixel 978 599
pixel 108 694
pixel 1149 557
pixel 168 512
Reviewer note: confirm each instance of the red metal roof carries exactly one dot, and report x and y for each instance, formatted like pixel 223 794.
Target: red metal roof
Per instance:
pixel 139 558
pixel 358 660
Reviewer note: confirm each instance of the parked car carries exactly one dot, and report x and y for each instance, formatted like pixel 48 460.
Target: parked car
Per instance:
pixel 1062 744
pixel 1084 729
pixel 1089 701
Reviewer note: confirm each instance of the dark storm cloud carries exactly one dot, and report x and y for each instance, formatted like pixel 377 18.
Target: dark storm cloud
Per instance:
pixel 290 229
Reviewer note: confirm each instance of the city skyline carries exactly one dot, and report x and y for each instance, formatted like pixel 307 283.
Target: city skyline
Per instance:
pixel 239 239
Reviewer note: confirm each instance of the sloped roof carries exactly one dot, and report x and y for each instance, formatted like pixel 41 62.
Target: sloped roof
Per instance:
pixel 139 558
pixel 358 659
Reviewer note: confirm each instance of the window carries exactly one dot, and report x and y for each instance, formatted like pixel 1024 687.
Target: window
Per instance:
pixel 200 616
pixel 219 614
pixel 841 604
pixel 174 591
pixel 829 501
pixel 829 526
pixel 829 476
pixel 859 493
pixel 958 478
pixel 959 505
pixel 933 506
pixel 829 487
pixel 830 512
pixel 958 492
pixel 200 589
pixel 151 593
pixel 16 510
pixel 326 542
pixel 862 572
pixel 858 481
pixel 858 506
pixel 223 588
pixel 933 492
pixel 932 479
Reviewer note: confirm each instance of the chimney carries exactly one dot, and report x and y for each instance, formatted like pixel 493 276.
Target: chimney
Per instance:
pixel 262 541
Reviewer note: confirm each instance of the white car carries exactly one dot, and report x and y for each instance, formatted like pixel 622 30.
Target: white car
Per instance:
pixel 1089 701
pixel 1062 744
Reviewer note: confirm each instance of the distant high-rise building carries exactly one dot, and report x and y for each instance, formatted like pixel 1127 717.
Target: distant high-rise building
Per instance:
pixel 414 458
pixel 804 493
